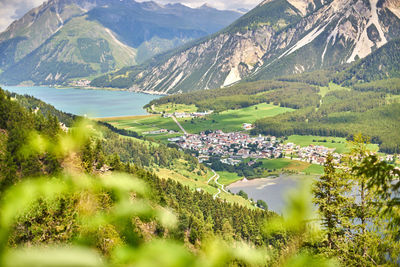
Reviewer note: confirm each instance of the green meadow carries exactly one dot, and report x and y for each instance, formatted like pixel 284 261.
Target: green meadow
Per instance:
pixel 272 164
pixel 227 178
pixel 172 108
pixel 314 169
pixel 323 90
pixel 296 166
pixel 232 120
pixel 141 124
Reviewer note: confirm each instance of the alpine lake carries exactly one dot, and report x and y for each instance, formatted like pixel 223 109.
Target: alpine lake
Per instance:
pixel 90 103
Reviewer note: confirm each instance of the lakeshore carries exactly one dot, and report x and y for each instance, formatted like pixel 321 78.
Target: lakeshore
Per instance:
pixel 273 191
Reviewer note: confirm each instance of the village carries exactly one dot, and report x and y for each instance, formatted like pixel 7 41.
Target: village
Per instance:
pixel 187 115
pixel 234 147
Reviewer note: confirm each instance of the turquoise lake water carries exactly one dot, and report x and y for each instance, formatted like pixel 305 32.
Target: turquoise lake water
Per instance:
pixel 93 103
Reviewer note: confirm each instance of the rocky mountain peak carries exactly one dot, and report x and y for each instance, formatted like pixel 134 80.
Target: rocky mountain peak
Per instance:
pixel 303 5
pixel 393 6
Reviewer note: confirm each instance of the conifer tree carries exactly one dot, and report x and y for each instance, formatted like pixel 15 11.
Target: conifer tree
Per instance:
pixel 329 195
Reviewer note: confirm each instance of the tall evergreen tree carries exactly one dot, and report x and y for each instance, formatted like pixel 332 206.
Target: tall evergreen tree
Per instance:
pixel 330 197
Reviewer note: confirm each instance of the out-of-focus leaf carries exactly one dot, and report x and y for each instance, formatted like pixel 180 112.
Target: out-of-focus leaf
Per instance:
pixel 303 259
pixel 36 144
pixel 53 257
pixel 167 218
pixel 219 253
pixel 156 253
pixel 124 183
pixel 17 199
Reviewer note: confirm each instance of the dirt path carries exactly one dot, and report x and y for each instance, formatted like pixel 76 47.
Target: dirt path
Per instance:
pixel 216 177
pixel 179 125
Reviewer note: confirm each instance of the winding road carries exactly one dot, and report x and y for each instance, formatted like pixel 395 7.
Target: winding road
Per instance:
pixel 216 177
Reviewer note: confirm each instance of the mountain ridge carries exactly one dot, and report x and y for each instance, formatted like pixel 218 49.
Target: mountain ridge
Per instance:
pixel 276 38
pixel 139 30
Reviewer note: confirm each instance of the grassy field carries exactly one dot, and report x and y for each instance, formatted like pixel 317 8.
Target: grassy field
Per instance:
pixel 227 178
pixel 172 107
pixel 272 164
pixel 274 167
pixel 163 138
pixel 232 120
pixel 293 166
pixel 141 124
pixel 331 142
pixel 194 184
pixel 323 90
pixel 314 169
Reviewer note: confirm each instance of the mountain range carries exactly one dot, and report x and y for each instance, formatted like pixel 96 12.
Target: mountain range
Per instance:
pixel 277 38
pixel 65 39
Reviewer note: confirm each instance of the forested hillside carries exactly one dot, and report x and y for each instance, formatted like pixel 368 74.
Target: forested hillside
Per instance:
pixel 293 95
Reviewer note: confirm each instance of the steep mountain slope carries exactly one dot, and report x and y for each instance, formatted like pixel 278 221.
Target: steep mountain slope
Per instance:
pixel 115 33
pixel 384 63
pixel 72 52
pixel 26 34
pixel 278 37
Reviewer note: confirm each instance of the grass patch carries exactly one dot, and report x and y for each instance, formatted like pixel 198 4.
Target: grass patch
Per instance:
pixel 232 120
pixel 297 166
pixel 141 124
pixel 274 167
pixel 124 118
pixel 202 184
pixel 227 178
pixel 172 108
pixel 331 142
pixel 315 169
pixel 323 90
pixel 275 164
pixel 191 183
pixel 163 138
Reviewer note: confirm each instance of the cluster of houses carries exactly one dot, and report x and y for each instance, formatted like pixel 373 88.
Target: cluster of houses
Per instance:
pixel 247 126
pixel 161 131
pixel 233 147
pixel 188 115
pixel 80 83
pixel 312 153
